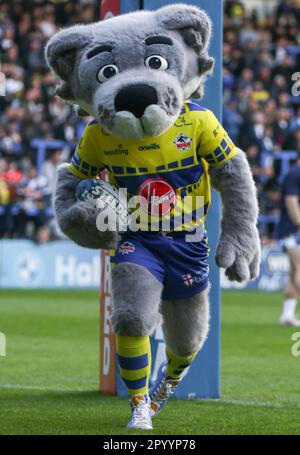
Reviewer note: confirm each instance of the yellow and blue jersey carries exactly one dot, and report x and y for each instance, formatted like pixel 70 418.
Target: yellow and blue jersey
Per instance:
pixel 172 165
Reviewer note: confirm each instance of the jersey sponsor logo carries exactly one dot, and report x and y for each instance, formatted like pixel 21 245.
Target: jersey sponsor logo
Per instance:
pixel 126 248
pixel 157 196
pixel 183 142
pixel 182 122
pixel 142 148
pixel 216 130
pixel 117 151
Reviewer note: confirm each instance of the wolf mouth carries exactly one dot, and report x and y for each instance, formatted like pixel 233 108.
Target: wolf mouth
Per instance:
pixel 126 125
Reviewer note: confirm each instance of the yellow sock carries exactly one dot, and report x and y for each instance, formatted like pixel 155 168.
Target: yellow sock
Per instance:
pixel 177 365
pixel 134 357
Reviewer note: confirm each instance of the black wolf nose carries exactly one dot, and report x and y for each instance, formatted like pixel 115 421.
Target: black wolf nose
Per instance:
pixel 135 99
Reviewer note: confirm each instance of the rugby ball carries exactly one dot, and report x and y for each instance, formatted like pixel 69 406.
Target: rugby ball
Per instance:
pixel 107 200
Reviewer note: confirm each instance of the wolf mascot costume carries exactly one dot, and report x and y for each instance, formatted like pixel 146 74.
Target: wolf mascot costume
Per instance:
pixel 135 74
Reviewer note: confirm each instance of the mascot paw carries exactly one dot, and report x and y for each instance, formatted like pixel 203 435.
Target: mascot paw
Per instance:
pixel 79 223
pixel 239 257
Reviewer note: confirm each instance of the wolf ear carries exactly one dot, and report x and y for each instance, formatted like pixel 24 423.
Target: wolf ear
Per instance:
pixel 192 22
pixel 195 27
pixel 61 52
pixel 62 49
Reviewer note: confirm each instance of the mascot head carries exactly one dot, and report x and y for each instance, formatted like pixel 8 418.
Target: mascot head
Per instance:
pixel 133 72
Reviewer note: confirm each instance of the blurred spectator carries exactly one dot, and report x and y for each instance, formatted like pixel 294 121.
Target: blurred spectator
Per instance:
pixel 30 110
pixel 13 177
pixel 49 169
pixel 292 141
pixel 4 198
pixel 43 234
pixel 34 198
pixel 261 52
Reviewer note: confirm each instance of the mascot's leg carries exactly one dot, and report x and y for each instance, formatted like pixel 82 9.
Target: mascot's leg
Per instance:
pixel 185 327
pixel 136 300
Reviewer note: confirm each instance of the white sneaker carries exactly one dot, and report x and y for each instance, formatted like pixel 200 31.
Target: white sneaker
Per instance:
pixel 162 390
pixel 290 320
pixel 140 413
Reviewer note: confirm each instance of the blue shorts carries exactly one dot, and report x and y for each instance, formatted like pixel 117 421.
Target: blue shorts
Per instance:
pixel 182 267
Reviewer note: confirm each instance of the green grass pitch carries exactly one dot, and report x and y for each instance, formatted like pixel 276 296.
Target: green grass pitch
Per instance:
pixel 49 378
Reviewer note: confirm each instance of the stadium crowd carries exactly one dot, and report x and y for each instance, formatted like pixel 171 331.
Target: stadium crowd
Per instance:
pixel 261 107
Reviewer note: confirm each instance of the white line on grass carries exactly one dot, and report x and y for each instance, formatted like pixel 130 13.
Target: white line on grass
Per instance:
pixel 262 404
pixel 41 388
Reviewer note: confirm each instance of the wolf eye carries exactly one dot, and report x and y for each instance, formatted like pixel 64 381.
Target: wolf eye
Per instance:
pixel 106 72
pixel 157 62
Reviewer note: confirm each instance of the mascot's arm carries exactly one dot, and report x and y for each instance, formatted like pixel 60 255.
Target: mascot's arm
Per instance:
pixel 239 247
pixel 76 219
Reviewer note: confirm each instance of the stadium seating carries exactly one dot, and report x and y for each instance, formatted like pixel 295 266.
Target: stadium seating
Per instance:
pixel 261 113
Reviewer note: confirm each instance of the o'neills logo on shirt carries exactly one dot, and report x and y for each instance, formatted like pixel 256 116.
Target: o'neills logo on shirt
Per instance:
pixel 149 147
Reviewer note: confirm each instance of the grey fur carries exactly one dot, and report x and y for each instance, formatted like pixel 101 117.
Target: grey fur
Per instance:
pixel 76 219
pixel 186 323
pixel 136 292
pixel 68 54
pixel 61 53
pixel 239 247
pixel 187 18
pixel 136 299
pixel 137 309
